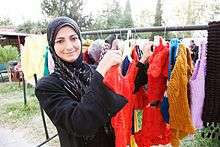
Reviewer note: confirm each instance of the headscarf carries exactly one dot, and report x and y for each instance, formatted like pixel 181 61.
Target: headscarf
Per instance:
pixel 77 75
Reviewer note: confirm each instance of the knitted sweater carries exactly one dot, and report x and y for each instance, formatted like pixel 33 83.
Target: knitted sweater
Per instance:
pixel 197 86
pixel 211 108
pixel 180 117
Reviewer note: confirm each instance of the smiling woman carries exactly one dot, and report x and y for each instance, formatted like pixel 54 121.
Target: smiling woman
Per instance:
pixel 74 96
pixel 67 44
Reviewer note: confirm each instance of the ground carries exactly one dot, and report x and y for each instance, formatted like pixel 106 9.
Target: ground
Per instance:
pixel 22 125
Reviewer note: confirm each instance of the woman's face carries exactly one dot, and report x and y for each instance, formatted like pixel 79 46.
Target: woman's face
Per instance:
pixel 67 44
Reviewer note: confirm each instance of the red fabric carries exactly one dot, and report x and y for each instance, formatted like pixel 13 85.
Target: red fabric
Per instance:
pixel 86 57
pixel 134 55
pixel 140 100
pixel 158 73
pixel 154 130
pixel 123 85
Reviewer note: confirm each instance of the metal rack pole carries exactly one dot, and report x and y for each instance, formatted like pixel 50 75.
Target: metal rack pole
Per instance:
pixel 148 29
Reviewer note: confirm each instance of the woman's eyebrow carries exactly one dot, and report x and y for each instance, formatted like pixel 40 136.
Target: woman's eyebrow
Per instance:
pixel 74 34
pixel 59 38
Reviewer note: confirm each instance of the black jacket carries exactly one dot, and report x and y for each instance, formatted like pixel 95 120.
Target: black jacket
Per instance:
pixel 84 123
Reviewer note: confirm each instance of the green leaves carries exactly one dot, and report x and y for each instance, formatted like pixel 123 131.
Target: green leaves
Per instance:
pixel 8 53
pixel 70 8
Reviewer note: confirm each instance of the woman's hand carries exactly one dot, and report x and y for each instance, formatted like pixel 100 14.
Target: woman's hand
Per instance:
pixel 146 52
pixel 111 58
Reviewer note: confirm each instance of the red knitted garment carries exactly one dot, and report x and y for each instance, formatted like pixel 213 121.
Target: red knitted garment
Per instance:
pixel 154 130
pixel 123 85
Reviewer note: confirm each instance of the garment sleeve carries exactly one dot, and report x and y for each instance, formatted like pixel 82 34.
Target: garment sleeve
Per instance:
pixel 96 107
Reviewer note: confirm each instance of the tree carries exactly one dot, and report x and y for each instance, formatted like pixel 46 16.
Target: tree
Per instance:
pixel 5 22
pixel 127 21
pixel 146 18
pixel 100 22
pixel 70 8
pixel 190 15
pixel 50 8
pixel 33 27
pixel 8 53
pixel 113 15
pixel 214 10
pixel 157 19
pixel 158 15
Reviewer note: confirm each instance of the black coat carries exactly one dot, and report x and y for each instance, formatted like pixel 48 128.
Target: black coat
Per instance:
pixel 84 123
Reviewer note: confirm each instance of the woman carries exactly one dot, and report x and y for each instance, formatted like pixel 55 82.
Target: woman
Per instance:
pixel 74 96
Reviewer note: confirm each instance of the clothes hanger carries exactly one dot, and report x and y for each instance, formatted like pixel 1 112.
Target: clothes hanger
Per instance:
pixel 120 34
pixel 164 33
pixel 156 40
pixel 128 34
pixel 127 49
pixel 101 34
pixel 98 35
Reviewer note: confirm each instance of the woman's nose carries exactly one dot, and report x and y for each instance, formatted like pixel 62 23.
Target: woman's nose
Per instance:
pixel 69 45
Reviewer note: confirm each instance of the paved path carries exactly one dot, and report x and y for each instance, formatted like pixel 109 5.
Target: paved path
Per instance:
pixel 10 138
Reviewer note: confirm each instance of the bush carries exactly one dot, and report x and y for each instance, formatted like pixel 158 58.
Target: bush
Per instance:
pixel 8 53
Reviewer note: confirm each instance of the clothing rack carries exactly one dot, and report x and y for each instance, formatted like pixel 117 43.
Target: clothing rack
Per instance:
pixel 125 30
pixel 148 29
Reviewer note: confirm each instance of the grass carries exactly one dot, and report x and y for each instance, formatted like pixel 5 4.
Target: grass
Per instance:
pixel 17 112
pixel 199 141
pixel 13 110
pixel 27 119
pixel 8 87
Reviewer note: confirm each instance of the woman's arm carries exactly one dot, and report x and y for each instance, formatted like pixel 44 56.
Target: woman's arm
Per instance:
pixel 97 105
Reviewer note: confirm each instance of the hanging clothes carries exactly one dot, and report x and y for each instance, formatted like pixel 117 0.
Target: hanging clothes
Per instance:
pixel 125 65
pixel 51 64
pixel 174 45
pixel 154 130
pixel 123 85
pixel 48 62
pixel 177 90
pixel 46 68
pixel 197 86
pixel 105 48
pixel 34 48
pixel 141 78
pixel 211 109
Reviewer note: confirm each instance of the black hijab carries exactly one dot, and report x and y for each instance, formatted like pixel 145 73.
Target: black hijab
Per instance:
pixel 76 75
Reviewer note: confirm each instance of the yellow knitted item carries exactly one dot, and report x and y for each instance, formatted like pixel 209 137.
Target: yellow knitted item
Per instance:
pixel 32 57
pixel 177 90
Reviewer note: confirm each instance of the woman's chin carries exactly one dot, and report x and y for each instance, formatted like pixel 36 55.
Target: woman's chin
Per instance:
pixel 70 59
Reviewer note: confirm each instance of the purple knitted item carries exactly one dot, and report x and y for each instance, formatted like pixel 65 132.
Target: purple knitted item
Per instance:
pixel 197 86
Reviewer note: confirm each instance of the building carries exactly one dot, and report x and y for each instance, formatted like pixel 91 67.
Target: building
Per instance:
pixel 8 36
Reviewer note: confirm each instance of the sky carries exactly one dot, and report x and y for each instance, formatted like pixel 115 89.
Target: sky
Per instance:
pixel 20 11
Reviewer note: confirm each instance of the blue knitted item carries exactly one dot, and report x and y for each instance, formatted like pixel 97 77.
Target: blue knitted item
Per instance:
pixel 125 65
pixel 174 45
pixel 164 107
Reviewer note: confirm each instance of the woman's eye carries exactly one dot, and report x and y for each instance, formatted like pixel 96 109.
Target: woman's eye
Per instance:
pixel 59 41
pixel 74 38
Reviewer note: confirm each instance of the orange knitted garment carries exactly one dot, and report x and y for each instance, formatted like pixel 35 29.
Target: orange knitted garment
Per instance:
pixel 177 90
